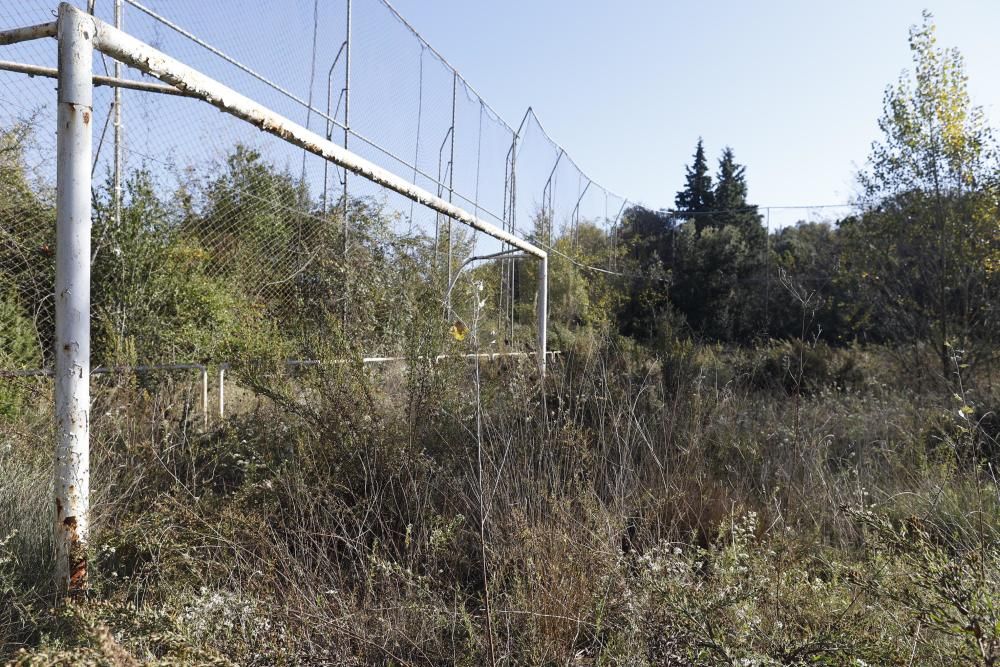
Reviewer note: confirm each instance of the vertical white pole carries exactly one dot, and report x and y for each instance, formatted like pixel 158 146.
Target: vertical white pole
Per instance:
pixel 118 129
pixel 543 311
pixel 72 336
pixel 347 107
pixel 204 396
pixel 222 392
pixel 347 132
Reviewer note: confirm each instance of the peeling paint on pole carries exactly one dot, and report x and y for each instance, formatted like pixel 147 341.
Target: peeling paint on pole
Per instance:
pixel 76 32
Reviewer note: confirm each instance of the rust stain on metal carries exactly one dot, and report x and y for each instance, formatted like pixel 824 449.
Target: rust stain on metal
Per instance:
pixel 86 117
pixel 77 559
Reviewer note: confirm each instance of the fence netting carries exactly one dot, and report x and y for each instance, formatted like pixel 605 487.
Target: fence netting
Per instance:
pixel 226 242
pixel 219 238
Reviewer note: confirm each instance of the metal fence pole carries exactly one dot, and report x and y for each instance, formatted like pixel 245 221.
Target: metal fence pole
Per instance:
pixel 543 311
pixel 222 392
pixel 118 128
pixel 451 174
pixel 76 32
pixel 347 132
pixel 614 234
pixel 204 396
pixel 547 213
pixel 347 107
pixel 512 268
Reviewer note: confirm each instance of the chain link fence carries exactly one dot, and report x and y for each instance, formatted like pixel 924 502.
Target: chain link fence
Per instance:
pixel 217 241
pixel 216 237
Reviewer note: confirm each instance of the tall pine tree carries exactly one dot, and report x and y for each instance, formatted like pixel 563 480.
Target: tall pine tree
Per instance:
pixel 720 260
pixel 697 198
pixel 731 206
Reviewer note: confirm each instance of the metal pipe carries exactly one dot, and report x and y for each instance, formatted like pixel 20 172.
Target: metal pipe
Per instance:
pixel 347 132
pixel 575 216
pixel 451 173
pixel 547 195
pixel 204 397
pixel 297 363
pixel 27 33
pixel 329 125
pixel 543 312
pixel 134 53
pixel 76 33
pixel 511 269
pixel 503 254
pixel 508 163
pixel 222 392
pixel 614 234
pixel 440 193
pixel 103 370
pixel 347 109
pixel 146 369
pixel 110 81
pixel 117 176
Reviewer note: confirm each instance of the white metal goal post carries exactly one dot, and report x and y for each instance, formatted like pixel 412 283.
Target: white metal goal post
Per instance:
pixel 78 35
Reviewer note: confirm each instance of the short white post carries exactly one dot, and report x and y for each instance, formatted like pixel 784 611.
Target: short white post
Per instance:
pixel 72 335
pixel 204 396
pixel 543 311
pixel 222 392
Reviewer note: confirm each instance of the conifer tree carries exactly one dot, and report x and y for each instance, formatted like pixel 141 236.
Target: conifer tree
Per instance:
pixel 730 196
pixel 697 198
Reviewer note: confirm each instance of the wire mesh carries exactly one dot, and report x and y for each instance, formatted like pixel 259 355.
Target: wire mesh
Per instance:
pixel 229 238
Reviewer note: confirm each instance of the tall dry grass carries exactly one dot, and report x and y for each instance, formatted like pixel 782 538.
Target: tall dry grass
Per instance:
pixel 691 505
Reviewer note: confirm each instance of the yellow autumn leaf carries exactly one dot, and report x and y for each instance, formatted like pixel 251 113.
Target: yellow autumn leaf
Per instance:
pixel 458 330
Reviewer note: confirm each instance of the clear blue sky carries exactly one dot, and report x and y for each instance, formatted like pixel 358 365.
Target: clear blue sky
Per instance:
pixel 794 87
pixel 627 87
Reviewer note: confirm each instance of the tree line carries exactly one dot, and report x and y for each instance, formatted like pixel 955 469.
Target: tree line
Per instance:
pixel 916 265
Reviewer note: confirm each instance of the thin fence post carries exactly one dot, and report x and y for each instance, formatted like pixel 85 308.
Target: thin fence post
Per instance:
pixel 117 177
pixel 767 278
pixel 204 396
pixel 543 311
pixel 512 268
pixel 451 174
pixel 347 132
pixel 76 32
pixel 222 392
pixel 347 107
